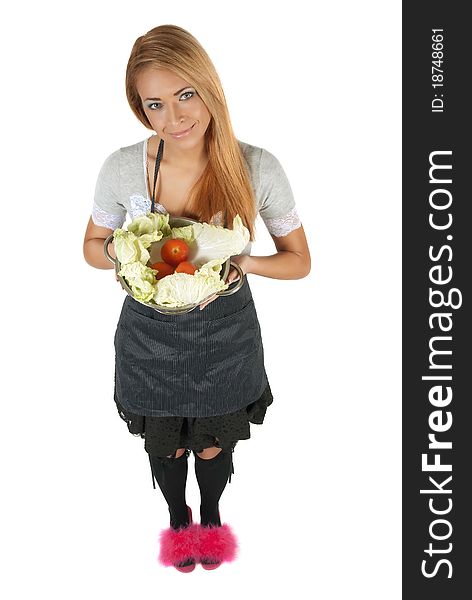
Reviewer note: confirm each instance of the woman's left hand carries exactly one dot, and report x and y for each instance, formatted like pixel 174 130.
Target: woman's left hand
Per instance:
pixel 243 260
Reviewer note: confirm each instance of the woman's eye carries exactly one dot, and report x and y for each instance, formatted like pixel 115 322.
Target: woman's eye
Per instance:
pixel 184 94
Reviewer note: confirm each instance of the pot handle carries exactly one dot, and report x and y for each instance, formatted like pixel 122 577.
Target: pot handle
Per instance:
pixel 105 249
pixel 239 282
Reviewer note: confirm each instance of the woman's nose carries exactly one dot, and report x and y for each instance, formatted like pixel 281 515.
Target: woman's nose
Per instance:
pixel 175 115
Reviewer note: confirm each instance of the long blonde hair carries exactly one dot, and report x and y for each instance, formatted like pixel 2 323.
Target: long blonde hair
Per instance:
pixel 225 184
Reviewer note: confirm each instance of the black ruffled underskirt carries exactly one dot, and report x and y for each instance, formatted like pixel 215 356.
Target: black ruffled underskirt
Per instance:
pixel 163 435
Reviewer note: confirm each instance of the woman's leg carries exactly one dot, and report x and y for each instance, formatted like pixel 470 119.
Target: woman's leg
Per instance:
pixel 180 538
pixel 209 452
pixel 171 475
pixel 212 468
pixel 178 453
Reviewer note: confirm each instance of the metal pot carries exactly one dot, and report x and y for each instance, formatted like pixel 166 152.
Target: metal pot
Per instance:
pixel 154 251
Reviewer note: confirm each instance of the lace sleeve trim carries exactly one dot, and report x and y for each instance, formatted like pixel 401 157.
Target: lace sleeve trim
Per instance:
pixel 281 226
pixel 104 219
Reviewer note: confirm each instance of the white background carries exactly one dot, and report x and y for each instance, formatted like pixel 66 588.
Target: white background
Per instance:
pixel 315 499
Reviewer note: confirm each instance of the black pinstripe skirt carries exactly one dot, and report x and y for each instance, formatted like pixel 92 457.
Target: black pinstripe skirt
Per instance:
pixel 201 364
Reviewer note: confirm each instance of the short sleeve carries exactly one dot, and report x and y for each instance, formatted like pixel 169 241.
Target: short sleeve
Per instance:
pixel 277 204
pixel 107 211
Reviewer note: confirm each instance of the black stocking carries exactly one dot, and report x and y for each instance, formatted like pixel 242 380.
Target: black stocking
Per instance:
pixel 212 476
pixel 171 475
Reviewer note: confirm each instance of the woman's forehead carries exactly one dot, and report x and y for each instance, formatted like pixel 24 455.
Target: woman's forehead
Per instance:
pixel 161 81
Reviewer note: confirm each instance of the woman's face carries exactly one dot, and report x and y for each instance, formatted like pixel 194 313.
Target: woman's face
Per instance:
pixel 172 106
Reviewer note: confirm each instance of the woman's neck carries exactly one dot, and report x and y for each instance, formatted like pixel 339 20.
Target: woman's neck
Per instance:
pixel 175 159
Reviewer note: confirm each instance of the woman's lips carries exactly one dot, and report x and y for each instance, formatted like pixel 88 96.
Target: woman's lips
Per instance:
pixel 183 134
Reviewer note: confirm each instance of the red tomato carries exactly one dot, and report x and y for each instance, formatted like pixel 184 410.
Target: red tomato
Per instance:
pixel 163 269
pixel 174 252
pixel 185 267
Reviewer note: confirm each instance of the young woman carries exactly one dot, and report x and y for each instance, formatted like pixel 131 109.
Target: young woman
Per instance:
pixel 192 382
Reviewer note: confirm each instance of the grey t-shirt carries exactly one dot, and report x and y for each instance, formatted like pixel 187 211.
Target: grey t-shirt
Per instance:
pixel 122 189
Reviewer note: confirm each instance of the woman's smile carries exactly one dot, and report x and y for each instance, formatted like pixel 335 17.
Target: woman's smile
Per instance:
pixel 183 133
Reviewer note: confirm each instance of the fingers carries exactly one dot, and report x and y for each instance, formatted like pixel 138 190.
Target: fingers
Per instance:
pixel 214 297
pixel 233 276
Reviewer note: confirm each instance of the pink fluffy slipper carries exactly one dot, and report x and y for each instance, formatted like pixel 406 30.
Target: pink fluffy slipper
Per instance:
pixel 216 544
pixel 179 545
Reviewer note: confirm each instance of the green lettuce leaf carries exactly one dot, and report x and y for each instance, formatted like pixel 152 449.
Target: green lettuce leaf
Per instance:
pixel 179 289
pixel 150 223
pixel 214 241
pixel 129 248
pixel 183 233
pixel 141 280
pixel 148 238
